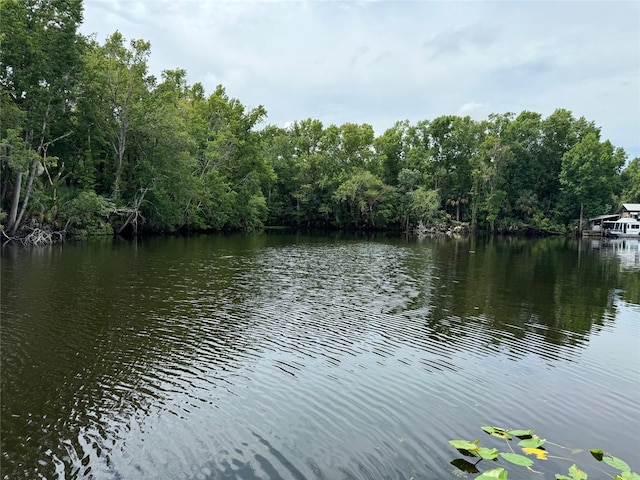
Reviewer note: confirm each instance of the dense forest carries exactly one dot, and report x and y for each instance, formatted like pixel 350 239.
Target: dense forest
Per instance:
pixel 91 143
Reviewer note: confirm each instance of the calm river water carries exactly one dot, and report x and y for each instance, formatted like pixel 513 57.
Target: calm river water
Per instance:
pixel 277 356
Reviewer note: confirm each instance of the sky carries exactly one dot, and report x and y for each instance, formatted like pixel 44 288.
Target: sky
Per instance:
pixel 379 62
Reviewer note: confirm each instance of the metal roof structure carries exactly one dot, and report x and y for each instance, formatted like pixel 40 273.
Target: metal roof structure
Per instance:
pixel 604 217
pixel 631 207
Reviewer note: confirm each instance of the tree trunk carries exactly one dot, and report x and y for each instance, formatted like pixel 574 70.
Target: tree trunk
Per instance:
pixel 580 230
pixel 14 223
pixel 14 203
pixel 32 174
pixel 474 205
pixel 122 145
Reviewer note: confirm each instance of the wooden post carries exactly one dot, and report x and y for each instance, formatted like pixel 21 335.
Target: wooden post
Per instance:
pixel 580 230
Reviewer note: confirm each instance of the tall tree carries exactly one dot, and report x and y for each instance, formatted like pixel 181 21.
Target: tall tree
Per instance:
pixel 278 150
pixel 39 63
pixel 455 140
pixel 231 164
pixel 590 175
pixel 631 182
pixel 122 82
pixel 391 150
pixel 527 172
pixel 356 144
pixel 416 202
pixel 560 132
pixel 163 170
pixel 489 196
pixel 363 195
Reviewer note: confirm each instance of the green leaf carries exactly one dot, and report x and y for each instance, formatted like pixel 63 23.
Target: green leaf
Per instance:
pixel 464 445
pixel 499 473
pixel 487 453
pixel 628 476
pixel 521 433
pixel 616 463
pixel 496 432
pixel 597 454
pixel 576 473
pixel 535 442
pixel 517 459
pixel 562 477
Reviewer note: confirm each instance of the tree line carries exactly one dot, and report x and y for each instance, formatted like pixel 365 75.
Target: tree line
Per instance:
pixel 92 143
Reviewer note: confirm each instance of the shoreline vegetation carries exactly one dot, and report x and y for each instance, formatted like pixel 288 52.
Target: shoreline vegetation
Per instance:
pixel 92 144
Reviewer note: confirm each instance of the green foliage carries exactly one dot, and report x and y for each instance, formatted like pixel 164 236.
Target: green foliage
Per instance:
pixel 80 116
pixel 87 214
pixel 616 463
pixel 361 195
pixel 574 474
pixel 590 172
pixel 492 473
pixel 531 445
pixel 465 445
pixel 423 205
pixel 545 224
pixel 17 154
pixel 630 179
pixel 533 442
pixel 517 459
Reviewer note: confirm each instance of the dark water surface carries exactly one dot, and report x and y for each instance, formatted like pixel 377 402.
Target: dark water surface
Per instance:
pixel 296 357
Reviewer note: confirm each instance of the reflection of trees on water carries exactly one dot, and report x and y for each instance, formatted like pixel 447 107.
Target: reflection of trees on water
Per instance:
pixel 118 333
pixel 541 294
pixel 521 289
pixel 630 282
pixel 99 349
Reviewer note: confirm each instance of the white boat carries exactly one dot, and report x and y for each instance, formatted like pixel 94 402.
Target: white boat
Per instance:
pixel 625 227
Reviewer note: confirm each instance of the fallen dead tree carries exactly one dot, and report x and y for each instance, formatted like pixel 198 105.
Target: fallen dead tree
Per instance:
pixel 133 214
pixel 37 237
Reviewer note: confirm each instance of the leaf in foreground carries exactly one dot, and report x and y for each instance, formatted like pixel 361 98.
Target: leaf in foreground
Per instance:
pixel 615 462
pixel 464 445
pixel 574 474
pixel 499 473
pixel 597 454
pixel 487 453
pixel 534 442
pixel 496 432
pixel 517 459
pixel 521 433
pixel 628 476
pixel 538 452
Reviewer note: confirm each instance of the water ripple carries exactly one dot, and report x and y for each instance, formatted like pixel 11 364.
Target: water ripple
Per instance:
pixel 320 360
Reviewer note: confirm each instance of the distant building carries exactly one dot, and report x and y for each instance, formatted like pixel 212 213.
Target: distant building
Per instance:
pixel 602 222
pixel 630 210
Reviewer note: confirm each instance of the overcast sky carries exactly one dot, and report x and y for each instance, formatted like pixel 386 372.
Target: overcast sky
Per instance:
pixel 380 62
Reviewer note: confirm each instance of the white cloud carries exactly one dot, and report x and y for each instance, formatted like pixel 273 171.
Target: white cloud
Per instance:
pixel 379 62
pixel 475 110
